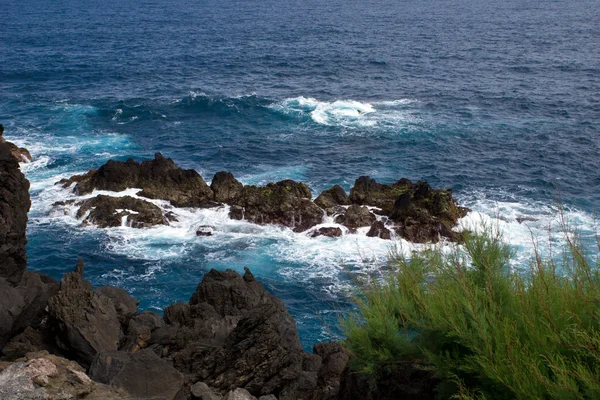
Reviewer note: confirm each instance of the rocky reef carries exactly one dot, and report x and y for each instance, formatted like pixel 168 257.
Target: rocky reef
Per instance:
pixel 410 210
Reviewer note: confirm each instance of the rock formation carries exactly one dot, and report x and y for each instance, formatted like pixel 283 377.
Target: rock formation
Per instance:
pixel 107 211
pixel 21 154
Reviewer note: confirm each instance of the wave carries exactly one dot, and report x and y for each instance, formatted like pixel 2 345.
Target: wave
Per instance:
pixel 347 113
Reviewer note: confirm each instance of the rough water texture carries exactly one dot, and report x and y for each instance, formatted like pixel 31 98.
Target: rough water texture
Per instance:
pixel 498 101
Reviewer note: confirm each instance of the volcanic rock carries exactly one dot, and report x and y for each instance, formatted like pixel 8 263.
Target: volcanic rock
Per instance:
pixel 330 198
pixel 356 217
pixel 327 231
pixel 14 205
pixel 107 211
pixel 366 191
pixel 201 391
pixel 379 230
pixel 85 322
pixel 286 203
pixel 225 187
pixel 239 394
pixel 159 179
pixel 204 230
pixel 335 359
pixel 125 305
pixel 143 375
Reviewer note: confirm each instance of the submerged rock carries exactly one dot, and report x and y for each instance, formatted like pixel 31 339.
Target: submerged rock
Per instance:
pixel 107 211
pixel 159 178
pixel 327 231
pixel 286 203
pixel 379 230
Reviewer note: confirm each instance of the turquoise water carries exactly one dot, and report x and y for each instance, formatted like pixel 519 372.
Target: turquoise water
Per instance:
pixel 498 100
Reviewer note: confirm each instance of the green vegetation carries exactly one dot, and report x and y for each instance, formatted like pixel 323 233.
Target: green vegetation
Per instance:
pixel 482 329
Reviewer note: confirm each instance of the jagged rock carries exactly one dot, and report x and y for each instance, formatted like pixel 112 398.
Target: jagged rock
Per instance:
pixel 46 377
pixel 20 153
pixel 335 358
pixel 233 334
pixel 225 187
pixel 327 231
pixel 140 329
pixel 67 182
pixel 425 214
pixel 14 205
pixel 143 375
pixel 379 230
pixel 330 198
pixel 107 211
pixel 268 397
pixel 287 203
pixel 24 305
pixel 239 394
pixel 366 191
pixel 85 322
pixel 201 391
pixel 356 217
pixel 125 305
pixel 159 179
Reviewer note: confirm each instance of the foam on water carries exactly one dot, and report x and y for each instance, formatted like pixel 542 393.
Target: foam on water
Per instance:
pixel 348 113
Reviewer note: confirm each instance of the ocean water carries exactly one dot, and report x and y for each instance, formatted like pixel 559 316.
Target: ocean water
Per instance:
pixel 499 101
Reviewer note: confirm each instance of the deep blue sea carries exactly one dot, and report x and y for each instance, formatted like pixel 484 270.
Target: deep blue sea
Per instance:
pixel 499 100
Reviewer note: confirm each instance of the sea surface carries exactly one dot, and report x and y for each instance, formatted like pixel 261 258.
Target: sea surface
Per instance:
pixel 498 100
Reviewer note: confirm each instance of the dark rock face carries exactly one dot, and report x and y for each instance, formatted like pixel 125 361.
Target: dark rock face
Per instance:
pixel 85 322
pixel 366 191
pixel 125 305
pixel 204 230
pixel 330 198
pixel 286 203
pixel 143 375
pixel 159 179
pixel 327 231
pixel 108 211
pixel 225 187
pixel 379 230
pixel 356 217
pixel 233 333
pixel 335 358
pixel 425 214
pixel 421 214
pixel 14 205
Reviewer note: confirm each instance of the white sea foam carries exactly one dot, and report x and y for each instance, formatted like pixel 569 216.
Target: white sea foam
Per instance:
pixel 348 113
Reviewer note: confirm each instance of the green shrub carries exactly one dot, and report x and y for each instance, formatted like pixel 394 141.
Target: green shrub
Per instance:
pixel 486 331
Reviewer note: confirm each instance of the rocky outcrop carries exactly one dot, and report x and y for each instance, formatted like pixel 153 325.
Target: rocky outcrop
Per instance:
pixel 286 203
pixel 143 375
pixel 107 211
pixel 21 154
pixel 14 205
pixel 41 376
pixel 378 229
pixel 417 212
pixel 355 217
pixel 84 322
pixel 332 198
pixel 159 178
pixel 225 187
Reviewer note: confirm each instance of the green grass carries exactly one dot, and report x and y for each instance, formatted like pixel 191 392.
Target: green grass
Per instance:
pixel 485 331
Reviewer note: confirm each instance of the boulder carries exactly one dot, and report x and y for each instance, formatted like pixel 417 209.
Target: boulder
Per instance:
pixel 334 360
pixel 201 391
pixel 125 305
pixel 379 230
pixel 143 375
pixel 159 178
pixel 44 377
pixel 356 217
pixel 225 187
pixel 140 329
pixel 239 394
pixel 84 322
pixel 331 198
pixel 107 211
pixel 205 230
pixel 14 205
pixel 286 203
pixel 327 231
